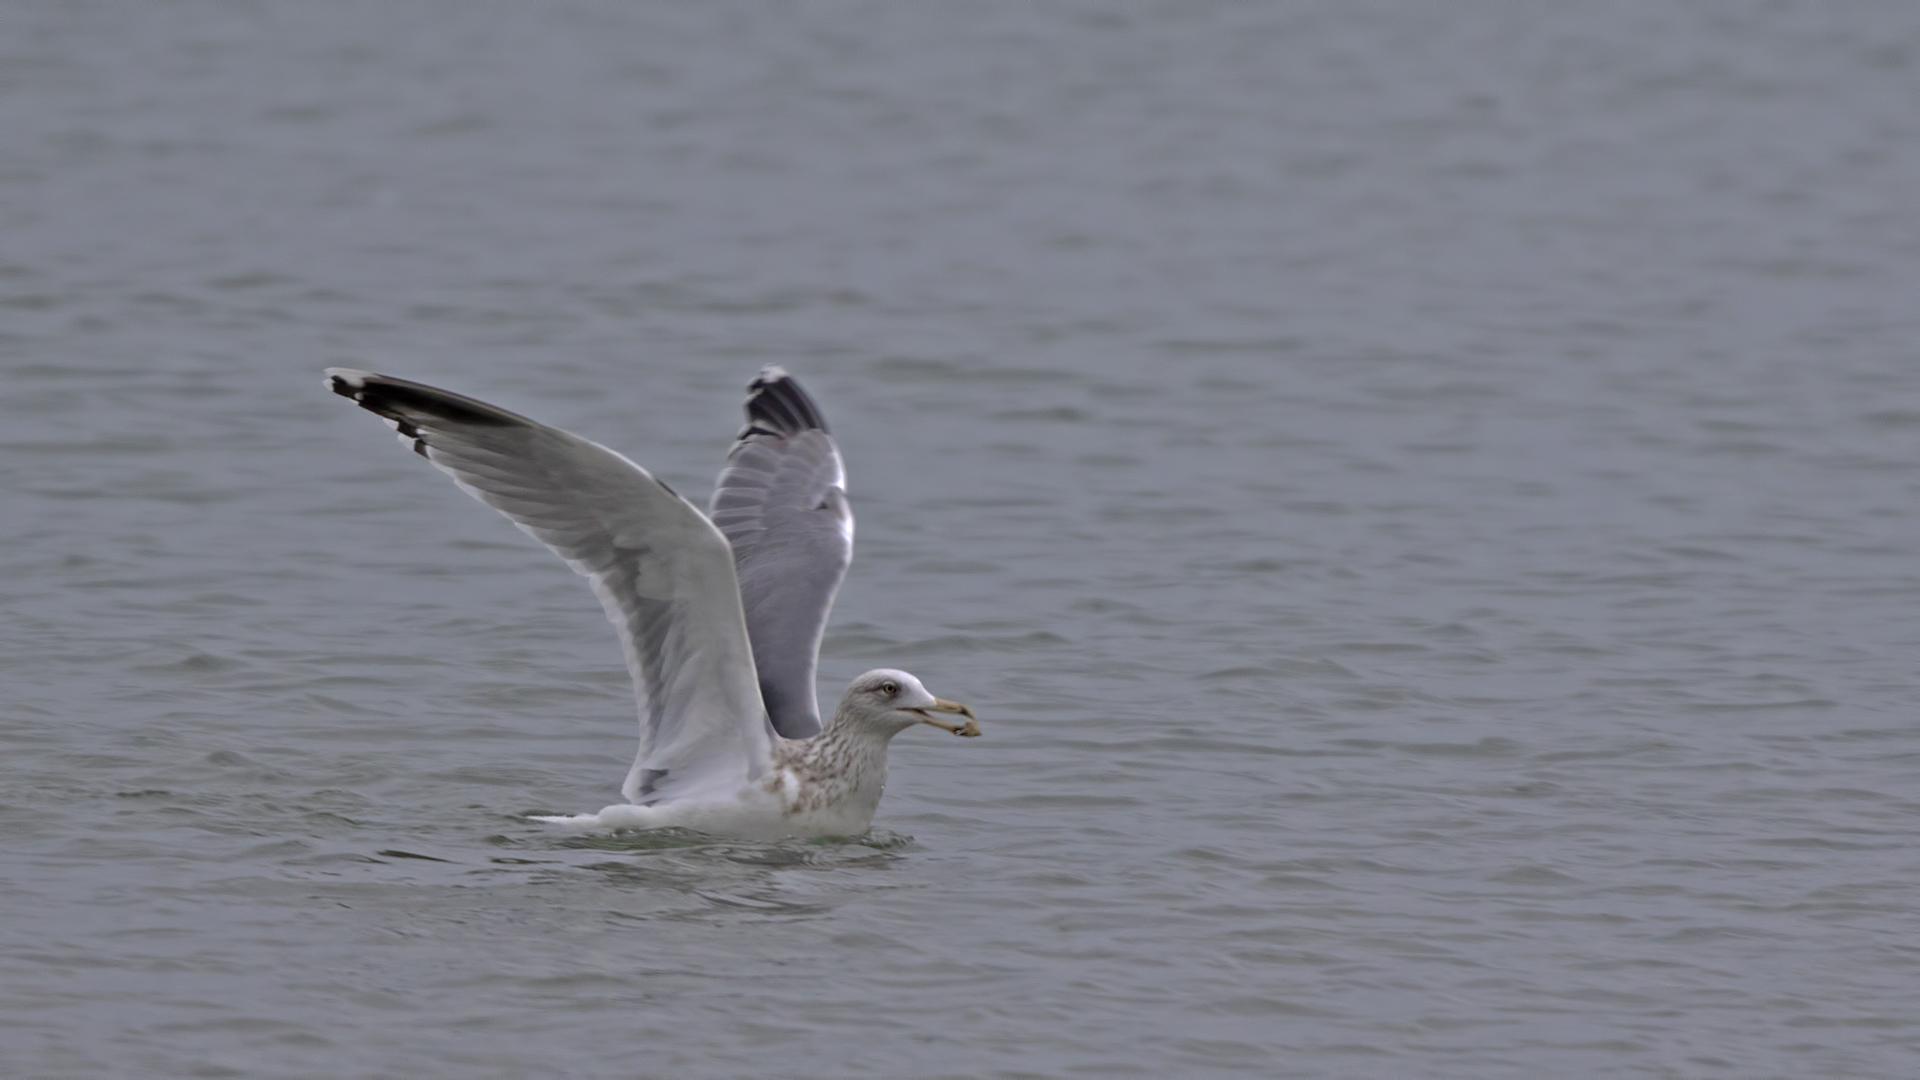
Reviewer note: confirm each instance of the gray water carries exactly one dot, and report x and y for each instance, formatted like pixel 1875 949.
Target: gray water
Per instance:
pixel 1421 497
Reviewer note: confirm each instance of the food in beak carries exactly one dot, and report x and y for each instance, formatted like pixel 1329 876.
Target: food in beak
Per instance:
pixel 968 730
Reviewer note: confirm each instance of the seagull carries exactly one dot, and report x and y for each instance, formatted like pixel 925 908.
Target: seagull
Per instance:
pixel 719 614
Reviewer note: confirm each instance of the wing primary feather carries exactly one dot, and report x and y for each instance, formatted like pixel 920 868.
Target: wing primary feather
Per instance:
pixel 781 501
pixel 394 398
pixel 663 571
pixel 776 400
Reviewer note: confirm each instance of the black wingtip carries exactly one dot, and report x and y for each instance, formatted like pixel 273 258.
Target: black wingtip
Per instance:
pixel 406 405
pixel 402 401
pixel 777 406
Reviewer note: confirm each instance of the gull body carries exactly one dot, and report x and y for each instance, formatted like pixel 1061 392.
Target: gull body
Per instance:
pixel 826 785
pixel 720 617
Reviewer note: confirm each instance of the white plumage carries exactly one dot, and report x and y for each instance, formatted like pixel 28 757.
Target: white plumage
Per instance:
pixel 720 618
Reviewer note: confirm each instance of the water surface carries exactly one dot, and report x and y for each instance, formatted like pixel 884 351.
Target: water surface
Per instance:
pixel 1420 497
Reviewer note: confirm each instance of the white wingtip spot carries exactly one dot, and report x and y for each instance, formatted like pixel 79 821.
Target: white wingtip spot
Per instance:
pixel 773 372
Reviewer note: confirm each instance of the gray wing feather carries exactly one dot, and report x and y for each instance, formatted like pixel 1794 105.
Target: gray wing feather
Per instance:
pixel 782 503
pixel 662 571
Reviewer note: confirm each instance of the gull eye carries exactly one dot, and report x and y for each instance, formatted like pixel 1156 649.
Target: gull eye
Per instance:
pixel 889 688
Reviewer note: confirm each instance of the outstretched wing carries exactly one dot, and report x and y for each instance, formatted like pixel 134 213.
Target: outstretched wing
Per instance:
pixel 661 569
pixel 782 503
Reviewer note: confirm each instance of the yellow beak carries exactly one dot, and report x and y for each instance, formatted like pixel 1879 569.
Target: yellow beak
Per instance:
pixel 967 730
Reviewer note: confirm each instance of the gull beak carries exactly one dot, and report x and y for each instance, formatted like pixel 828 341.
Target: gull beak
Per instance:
pixel 967 730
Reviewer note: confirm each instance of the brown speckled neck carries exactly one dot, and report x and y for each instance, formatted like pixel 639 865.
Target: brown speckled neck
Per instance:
pixel 846 763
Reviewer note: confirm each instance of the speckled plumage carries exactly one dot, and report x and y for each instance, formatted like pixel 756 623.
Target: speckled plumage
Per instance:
pixel 842 771
pixel 828 785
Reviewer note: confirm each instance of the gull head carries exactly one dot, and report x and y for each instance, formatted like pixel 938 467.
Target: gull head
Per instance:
pixel 889 702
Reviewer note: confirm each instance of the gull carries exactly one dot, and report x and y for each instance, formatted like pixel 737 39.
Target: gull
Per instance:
pixel 719 614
